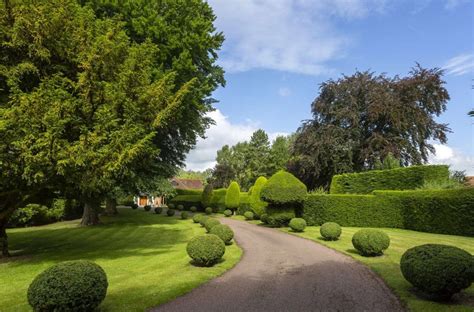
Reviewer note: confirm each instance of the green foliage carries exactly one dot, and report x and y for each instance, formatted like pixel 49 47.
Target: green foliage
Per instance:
pixel 232 196
pixel 203 220
pixel 206 196
pixel 369 242
pixel 170 212
pixel 264 218
pixel 189 192
pixel 180 207
pixel 224 232
pixel 283 188
pixel 34 214
pixel 208 210
pixel 438 270
pixel 389 162
pixel 244 205
pixel 68 286
pixel 147 208
pixel 206 249
pixel 256 203
pixel 210 223
pixel 184 215
pixel 278 217
pixel 218 198
pixel 197 218
pixel 171 206
pixel 330 231
pixel 297 224
pixel 248 215
pixel 396 179
pixel 134 206
pixel 158 210
pixel 186 201
pixel 193 209
pixel 228 213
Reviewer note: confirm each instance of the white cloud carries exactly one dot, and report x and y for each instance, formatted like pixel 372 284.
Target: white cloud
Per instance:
pixel 287 35
pixel 455 158
pixel 452 4
pixel 284 91
pixel 460 65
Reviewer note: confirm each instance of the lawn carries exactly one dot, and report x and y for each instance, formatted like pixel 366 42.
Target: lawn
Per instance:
pixel 143 254
pixel 388 265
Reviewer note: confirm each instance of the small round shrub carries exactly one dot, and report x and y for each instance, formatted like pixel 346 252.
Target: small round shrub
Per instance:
pixel 224 232
pixel 193 209
pixel 171 206
pixel 180 207
pixel 438 270
pixel 206 249
pixel 170 212
pixel 208 210
pixel 264 218
pixel 278 217
pixel 297 224
pixel 370 242
pixel 330 231
pixel 210 222
pixel 158 210
pixel 228 213
pixel 215 209
pixel 134 206
pixel 68 286
pixel 147 208
pixel 248 215
pixel 197 218
pixel 203 219
pixel 184 215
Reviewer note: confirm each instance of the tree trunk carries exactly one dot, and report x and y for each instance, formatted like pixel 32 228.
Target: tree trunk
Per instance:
pixel 91 213
pixel 4 241
pixel 110 206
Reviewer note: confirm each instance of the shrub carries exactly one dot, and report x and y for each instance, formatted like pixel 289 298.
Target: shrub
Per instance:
pixel 171 206
pixel 215 209
pixel 248 215
pixel 68 286
pixel 283 188
pixel 189 192
pixel 158 210
pixel 330 231
pixel 232 196
pixel 147 208
pixel 278 217
pixel 184 215
pixel 203 220
pixel 264 218
pixel 134 206
pixel 206 249
pixel 224 232
pixel 218 198
pixel 228 213
pixel 369 242
pixel 170 212
pixel 256 203
pixel 438 270
pixel 197 218
pixel 180 207
pixel 193 209
pixel 244 204
pixel 210 222
pixel 393 179
pixel 206 196
pixel 297 224
pixel 34 214
pixel 208 210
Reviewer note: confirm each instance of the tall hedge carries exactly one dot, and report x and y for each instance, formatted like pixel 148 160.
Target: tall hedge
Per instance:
pixel 283 188
pixel 206 195
pixel 232 197
pixel 434 211
pixel 256 203
pixel 189 191
pixel 218 198
pixel 407 178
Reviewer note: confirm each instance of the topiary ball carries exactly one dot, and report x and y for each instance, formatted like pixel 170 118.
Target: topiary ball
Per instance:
pixel 438 270
pixel 206 249
pixel 330 231
pixel 202 220
pixel 193 209
pixel 134 206
pixel 171 206
pixel 197 218
pixel 224 232
pixel 210 222
pixel 184 215
pixel 228 213
pixel 180 207
pixel 369 242
pixel 248 215
pixel 158 210
pixel 264 218
pixel 297 224
pixel 147 208
pixel 208 210
pixel 170 212
pixel 68 286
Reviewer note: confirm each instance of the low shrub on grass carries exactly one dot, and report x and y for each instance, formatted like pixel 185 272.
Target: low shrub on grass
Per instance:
pixel 297 224
pixel 193 209
pixel 438 270
pixel 180 207
pixel 228 213
pixel 264 218
pixel 170 212
pixel 134 206
pixel 208 210
pixel 330 231
pixel 197 218
pixel 184 215
pixel 278 217
pixel 210 222
pixel 147 208
pixel 158 210
pixel 68 286
pixel 248 215
pixel 224 232
pixel 171 206
pixel 369 242
pixel 203 220
pixel 206 249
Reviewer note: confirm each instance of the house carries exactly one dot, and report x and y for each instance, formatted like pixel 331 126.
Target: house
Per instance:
pixel 470 181
pixel 179 184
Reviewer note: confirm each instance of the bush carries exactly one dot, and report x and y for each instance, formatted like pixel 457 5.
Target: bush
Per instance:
pixel 208 210
pixel 206 196
pixel 256 203
pixel 279 217
pixel 68 286
pixel 407 178
pixel 193 209
pixel 197 218
pixel 158 210
pixel 283 188
pixel 218 198
pixel 203 220
pixel 189 192
pixel 297 224
pixel 206 249
pixel 330 231
pixel 210 222
pixel 170 212
pixel 248 215
pixel 232 196
pixel 180 207
pixel 34 214
pixel 215 209
pixel 147 208
pixel 264 218
pixel 228 213
pixel 438 270
pixel 184 215
pixel 244 204
pixel 370 242
pixel 224 232
pixel 171 206
pixel 134 206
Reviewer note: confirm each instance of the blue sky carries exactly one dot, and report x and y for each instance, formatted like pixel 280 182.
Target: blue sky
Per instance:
pixel 277 52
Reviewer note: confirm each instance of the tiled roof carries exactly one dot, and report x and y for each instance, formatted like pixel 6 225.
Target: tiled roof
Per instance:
pixel 187 184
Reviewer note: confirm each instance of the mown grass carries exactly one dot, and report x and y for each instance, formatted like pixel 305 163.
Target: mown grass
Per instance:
pixel 143 254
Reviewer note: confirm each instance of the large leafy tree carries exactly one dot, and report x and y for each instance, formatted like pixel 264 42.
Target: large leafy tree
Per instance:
pixel 359 119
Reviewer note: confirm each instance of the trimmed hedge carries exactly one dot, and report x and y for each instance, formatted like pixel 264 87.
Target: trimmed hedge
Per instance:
pixel 370 242
pixel 283 188
pixel 228 213
pixel 187 201
pixel 279 216
pixel 297 224
pixel 188 192
pixel 218 198
pixel 330 231
pixel 210 223
pixel 206 249
pixel 206 195
pixel 256 203
pixel 407 178
pixel 244 205
pixel 224 232
pixel 232 197
pixel 434 211
pixel 248 215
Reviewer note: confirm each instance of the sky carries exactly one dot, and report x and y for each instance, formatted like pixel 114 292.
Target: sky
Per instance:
pixel 278 52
